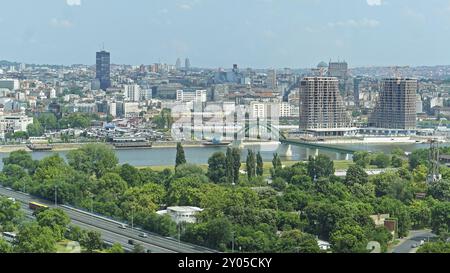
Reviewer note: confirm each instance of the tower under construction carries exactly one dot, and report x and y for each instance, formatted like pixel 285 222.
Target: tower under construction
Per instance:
pixel 396 107
pixel 322 110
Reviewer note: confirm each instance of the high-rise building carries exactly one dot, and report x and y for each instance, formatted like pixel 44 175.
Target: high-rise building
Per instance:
pixel 396 107
pixel 356 90
pixel 272 79
pixel 178 64
pixel 187 64
pixel 338 70
pixel 322 110
pixel 103 69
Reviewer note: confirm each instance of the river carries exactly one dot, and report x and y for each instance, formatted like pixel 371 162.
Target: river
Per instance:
pixel 200 155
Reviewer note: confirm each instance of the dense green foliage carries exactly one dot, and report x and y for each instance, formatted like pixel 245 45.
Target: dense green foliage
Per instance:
pixel 281 213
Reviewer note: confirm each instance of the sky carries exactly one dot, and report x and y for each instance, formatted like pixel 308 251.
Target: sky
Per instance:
pixel 219 33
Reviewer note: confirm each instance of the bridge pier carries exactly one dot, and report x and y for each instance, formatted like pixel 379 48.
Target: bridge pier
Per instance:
pixel 285 150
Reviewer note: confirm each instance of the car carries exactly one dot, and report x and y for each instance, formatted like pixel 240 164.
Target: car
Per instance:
pixel 415 246
pixel 123 226
pixel 143 235
pixel 131 242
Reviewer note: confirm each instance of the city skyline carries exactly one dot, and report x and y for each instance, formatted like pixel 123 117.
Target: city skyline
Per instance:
pixel 260 33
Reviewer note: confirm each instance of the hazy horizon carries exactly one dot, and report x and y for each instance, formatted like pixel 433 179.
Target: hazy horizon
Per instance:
pixel 252 33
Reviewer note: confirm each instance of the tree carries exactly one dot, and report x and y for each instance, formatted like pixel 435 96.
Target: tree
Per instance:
pixel 440 190
pixel 356 174
pixel 33 238
pixel 361 159
pixel 435 247
pixel 230 166
pixel 397 211
pixel 56 219
pixel 138 248
pixel 180 157
pixel 48 121
pixel 259 165
pixel 92 241
pixel 236 164
pixel 5 247
pixel 348 238
pixel 381 160
pixel 22 159
pixel 35 129
pixel 322 166
pixel 418 157
pixel 217 168
pixel 276 162
pixel 115 248
pixel 130 174
pixel 10 214
pixel 397 162
pixel 295 241
pixel 93 159
pixel 251 164
pixel 440 217
pixel 420 214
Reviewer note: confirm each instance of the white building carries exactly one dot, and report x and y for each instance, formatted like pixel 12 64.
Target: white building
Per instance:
pixel 112 109
pixel 323 245
pixel 132 92
pixel 131 109
pixel 14 123
pixel 182 214
pixel 198 96
pixel 285 109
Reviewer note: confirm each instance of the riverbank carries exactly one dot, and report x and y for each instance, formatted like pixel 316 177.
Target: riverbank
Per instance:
pixel 65 147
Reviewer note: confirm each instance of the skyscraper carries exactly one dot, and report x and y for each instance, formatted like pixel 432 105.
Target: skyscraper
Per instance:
pixel 338 70
pixel 187 64
pixel 396 107
pixel 103 69
pixel 178 64
pixel 322 110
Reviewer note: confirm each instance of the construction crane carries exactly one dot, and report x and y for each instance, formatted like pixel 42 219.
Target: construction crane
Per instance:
pixel 433 172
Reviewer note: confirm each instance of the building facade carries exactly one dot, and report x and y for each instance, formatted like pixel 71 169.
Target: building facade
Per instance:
pixel 322 109
pixel 396 107
pixel 103 69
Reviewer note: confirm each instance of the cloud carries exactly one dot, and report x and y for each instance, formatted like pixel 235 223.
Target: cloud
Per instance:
pixel 185 6
pixel 73 2
pixel 374 2
pixel 351 23
pixel 64 23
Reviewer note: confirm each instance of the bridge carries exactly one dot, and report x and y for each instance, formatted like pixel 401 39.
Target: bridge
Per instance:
pixel 275 133
pixel 296 142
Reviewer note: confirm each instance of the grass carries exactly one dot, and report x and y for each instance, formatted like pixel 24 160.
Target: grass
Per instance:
pixel 338 165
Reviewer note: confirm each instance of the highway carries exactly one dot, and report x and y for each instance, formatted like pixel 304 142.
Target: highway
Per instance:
pixel 109 229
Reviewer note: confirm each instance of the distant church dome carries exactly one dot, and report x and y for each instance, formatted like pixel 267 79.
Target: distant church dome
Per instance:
pixel 322 64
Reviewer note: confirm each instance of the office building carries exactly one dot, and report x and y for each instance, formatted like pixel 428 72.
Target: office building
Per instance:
pixel 187 64
pixel 396 106
pixel 10 84
pixel 103 69
pixel 338 70
pixel 132 92
pixel 322 111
